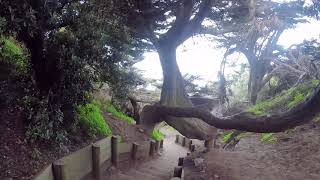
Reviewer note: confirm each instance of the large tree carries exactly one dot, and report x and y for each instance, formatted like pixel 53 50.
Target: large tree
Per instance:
pixel 166 25
pixel 257 38
pixel 70 48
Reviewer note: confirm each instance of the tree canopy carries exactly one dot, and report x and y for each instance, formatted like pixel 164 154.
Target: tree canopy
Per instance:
pixel 71 46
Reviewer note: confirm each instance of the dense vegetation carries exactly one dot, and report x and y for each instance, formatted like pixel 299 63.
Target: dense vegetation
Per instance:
pixel 55 54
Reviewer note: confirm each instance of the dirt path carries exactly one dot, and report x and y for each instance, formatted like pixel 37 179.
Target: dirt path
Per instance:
pixel 295 156
pixel 160 168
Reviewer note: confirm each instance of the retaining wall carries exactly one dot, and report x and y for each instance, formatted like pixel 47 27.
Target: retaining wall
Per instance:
pixel 92 160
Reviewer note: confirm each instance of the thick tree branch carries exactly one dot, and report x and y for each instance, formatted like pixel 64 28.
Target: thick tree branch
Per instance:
pixel 183 28
pixel 301 114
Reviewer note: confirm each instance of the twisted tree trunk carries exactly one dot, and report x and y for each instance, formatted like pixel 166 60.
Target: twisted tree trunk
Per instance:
pixel 173 95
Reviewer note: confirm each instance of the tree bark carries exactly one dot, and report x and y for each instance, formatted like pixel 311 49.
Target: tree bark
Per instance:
pixel 257 72
pixel 244 121
pixel 173 95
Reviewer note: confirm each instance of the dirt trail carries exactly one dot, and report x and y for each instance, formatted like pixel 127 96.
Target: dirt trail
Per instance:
pixel 160 168
pixel 296 156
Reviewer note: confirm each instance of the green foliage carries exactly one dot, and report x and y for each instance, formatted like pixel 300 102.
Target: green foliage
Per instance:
pixel 287 100
pixel 45 121
pixel 227 137
pixel 268 138
pixel 119 114
pixel 13 55
pixel 90 117
pixel 157 135
pixel 297 99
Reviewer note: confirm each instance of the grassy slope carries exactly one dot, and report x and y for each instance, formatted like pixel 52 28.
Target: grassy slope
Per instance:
pixel 280 103
pixel 156 134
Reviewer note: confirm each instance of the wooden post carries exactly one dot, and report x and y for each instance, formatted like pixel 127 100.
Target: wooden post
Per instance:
pixel 208 144
pixel 157 147
pixel 190 144
pixel 177 138
pixel 184 141
pixel 96 161
pixel 152 147
pixel 193 148
pixel 59 170
pixel 180 161
pixel 161 144
pixel 114 150
pixel 134 151
pixel 177 172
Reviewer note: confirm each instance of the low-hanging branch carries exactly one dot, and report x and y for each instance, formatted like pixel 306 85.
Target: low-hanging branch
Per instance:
pixel 244 121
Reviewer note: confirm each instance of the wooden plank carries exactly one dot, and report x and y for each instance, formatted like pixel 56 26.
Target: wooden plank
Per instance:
pixel 79 163
pixel 45 174
pixel 124 148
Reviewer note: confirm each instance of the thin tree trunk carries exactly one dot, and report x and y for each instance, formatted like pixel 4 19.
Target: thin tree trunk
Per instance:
pixel 257 73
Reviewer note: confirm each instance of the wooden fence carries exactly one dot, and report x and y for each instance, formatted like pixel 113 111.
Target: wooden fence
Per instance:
pixel 92 160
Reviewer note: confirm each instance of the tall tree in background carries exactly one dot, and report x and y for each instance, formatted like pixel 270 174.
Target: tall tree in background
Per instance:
pixel 167 24
pixel 257 39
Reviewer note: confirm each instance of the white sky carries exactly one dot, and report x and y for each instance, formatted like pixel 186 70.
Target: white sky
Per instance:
pixel 198 56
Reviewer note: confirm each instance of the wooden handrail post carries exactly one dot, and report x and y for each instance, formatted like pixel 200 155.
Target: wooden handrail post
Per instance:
pixel 161 144
pixel 152 147
pixel 114 150
pixel 59 170
pixel 134 151
pixel 190 145
pixel 96 150
pixel 177 138
pixel 184 141
pixel 180 161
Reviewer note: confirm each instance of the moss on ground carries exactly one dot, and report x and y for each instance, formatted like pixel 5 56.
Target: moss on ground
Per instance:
pixel 287 100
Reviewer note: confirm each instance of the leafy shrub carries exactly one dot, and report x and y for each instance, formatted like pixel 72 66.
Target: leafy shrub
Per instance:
pixel 157 135
pixel 45 121
pixel 115 112
pixel 12 54
pixel 90 116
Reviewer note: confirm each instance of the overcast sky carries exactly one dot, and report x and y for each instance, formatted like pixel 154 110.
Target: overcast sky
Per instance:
pixel 198 55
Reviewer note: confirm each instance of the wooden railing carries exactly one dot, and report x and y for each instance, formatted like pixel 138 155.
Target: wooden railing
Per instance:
pixel 93 159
